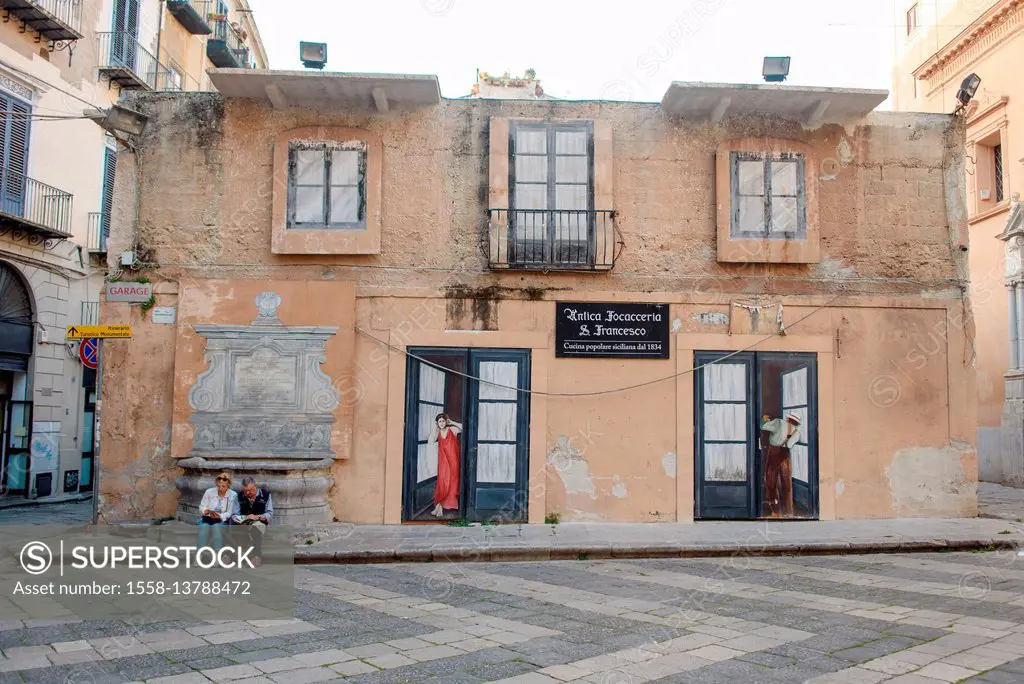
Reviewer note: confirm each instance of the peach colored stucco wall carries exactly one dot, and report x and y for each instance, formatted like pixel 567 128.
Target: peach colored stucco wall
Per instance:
pixel 888 275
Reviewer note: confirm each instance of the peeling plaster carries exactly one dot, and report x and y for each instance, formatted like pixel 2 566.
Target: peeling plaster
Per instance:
pixel 712 318
pixel 619 491
pixel 573 470
pixel 840 487
pixel 677 325
pixel 668 462
pixel 931 481
pixel 845 152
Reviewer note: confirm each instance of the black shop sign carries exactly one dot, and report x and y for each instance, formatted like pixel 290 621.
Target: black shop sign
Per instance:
pixel 611 331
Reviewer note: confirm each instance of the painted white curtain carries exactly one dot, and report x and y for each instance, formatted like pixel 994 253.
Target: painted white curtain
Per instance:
pixel 431 402
pixel 725 422
pixel 496 421
pixel 794 400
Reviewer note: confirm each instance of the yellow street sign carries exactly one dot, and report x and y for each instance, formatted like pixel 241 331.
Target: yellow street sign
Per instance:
pixel 80 332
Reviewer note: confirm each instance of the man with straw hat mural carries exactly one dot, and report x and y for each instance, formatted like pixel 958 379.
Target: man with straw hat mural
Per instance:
pixel 783 433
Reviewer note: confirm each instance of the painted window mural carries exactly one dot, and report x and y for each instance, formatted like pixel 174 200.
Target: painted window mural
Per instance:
pixel 466 435
pixel 756 436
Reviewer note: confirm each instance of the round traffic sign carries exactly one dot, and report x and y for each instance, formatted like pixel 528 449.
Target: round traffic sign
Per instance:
pixel 89 352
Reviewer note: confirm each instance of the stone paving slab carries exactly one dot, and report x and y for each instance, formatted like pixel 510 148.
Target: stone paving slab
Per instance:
pixel 849 619
pixel 571 541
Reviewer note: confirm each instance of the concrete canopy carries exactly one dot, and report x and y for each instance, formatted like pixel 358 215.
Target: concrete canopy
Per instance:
pixel 810 106
pixel 315 89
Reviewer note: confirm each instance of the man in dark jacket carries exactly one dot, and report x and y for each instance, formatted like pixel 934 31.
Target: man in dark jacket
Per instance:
pixel 256 509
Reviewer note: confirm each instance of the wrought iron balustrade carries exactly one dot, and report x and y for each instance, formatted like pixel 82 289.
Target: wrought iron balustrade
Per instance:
pixel 553 239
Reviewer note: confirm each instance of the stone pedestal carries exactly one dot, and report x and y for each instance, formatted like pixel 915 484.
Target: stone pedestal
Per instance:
pixel 1013 429
pixel 1012 423
pixel 264 409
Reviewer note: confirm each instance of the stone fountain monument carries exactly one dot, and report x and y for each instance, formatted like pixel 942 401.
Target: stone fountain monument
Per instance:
pixel 263 408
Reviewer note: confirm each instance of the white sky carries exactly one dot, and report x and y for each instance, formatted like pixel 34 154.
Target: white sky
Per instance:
pixel 590 50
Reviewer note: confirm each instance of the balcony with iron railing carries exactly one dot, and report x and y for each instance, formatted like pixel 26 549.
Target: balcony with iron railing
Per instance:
pixel 90 313
pixel 33 209
pixel 553 239
pixel 194 15
pixel 99 229
pixel 52 19
pixel 225 47
pixel 124 61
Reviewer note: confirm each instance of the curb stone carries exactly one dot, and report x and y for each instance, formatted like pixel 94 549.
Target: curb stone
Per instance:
pixel 440 554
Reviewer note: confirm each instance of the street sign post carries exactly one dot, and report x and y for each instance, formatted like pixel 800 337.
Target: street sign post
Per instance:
pixel 81 332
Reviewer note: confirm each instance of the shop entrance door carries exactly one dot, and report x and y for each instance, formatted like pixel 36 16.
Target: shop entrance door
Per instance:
pixel 466 435
pixel 755 436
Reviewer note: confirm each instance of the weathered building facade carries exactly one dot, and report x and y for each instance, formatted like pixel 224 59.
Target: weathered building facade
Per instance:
pixel 938 44
pixel 394 307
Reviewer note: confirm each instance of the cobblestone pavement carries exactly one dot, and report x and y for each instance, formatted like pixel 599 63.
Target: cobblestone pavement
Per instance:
pixel 70 513
pixel 858 619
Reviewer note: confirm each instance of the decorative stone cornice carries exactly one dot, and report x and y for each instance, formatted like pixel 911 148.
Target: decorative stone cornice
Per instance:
pixel 1013 236
pixel 992 28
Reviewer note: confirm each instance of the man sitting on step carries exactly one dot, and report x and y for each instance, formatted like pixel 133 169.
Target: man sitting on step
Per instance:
pixel 255 509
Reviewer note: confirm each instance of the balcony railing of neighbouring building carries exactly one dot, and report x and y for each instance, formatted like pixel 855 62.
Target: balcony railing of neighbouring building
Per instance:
pixel 225 47
pixel 32 207
pixel 124 61
pixel 99 228
pixel 52 19
pixel 553 239
pixel 90 313
pixel 194 15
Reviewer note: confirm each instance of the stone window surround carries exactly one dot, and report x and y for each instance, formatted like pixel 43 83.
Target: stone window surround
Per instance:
pixel 805 250
pixel 327 240
pixel 498 169
pixel 986 128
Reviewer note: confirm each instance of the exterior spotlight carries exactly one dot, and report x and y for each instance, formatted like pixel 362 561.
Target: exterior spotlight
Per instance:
pixel 967 89
pixel 313 55
pixel 775 69
pixel 120 119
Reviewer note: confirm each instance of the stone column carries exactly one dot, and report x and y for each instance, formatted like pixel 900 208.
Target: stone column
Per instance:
pixel 1014 336
pixel 1012 424
pixel 1019 310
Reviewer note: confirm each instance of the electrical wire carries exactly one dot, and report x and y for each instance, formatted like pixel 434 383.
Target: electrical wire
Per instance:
pixel 597 392
pixel 35 116
pixel 51 85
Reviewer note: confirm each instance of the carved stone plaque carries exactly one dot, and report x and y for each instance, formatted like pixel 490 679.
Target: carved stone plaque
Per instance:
pixel 263 395
pixel 265 378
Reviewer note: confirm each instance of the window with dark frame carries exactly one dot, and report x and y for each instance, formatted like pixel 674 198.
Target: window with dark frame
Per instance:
pixel 551 194
pixel 327 185
pixel 912 19
pixel 997 158
pixel 768 196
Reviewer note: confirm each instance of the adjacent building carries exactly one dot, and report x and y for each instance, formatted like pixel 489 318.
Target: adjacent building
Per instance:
pixel 62 64
pixel 938 44
pixel 392 307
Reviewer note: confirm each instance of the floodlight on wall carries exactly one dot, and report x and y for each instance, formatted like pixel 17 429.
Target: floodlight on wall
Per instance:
pixel 968 88
pixel 120 119
pixel 313 55
pixel 776 69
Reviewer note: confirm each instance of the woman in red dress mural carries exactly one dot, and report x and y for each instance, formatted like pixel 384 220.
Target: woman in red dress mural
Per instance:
pixel 446 490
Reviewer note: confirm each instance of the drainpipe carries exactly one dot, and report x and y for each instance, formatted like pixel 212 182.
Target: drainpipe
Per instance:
pixel 159 35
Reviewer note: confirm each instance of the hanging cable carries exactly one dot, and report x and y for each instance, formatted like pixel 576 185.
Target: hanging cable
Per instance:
pixel 597 392
pixel 48 84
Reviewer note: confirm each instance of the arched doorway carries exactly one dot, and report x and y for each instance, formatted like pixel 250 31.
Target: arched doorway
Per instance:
pixel 16 343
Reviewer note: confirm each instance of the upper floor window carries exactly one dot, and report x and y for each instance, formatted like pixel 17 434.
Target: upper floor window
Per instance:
pixel 768 197
pixel 327 185
pixel 552 193
pixel 997 170
pixel 912 19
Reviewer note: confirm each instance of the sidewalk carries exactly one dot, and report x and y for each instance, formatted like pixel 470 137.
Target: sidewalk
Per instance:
pixel 342 543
